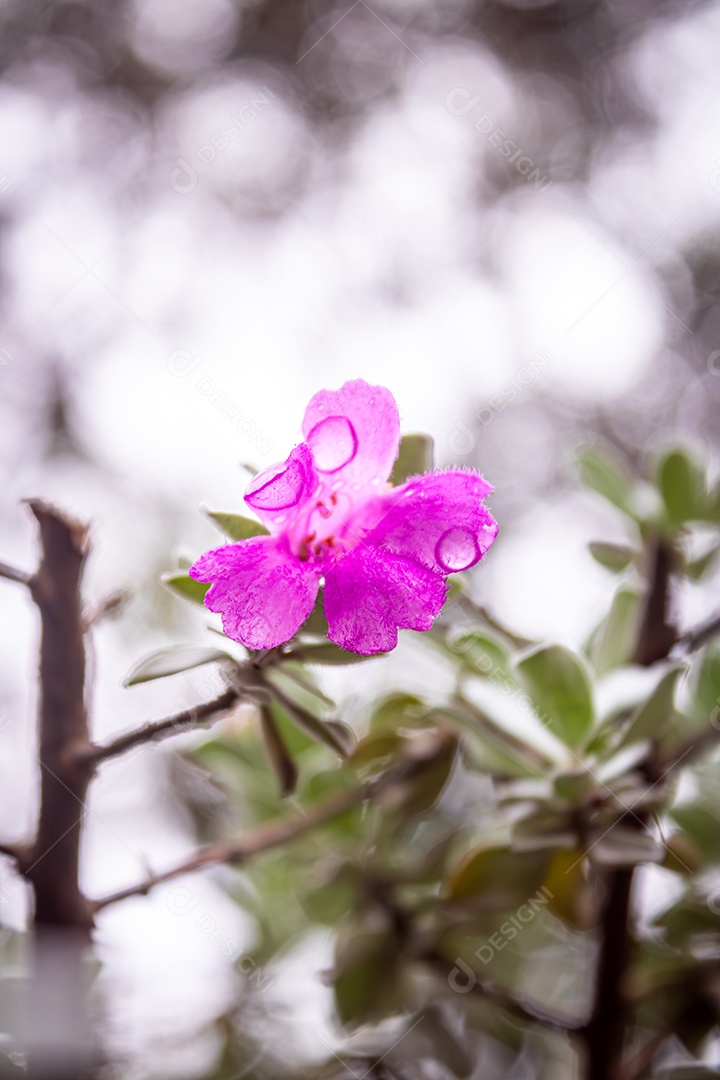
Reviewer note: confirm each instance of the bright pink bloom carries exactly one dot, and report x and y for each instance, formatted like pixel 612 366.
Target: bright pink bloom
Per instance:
pixel 383 552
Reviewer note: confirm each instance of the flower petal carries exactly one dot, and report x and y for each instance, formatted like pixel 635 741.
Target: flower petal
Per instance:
pixel 278 493
pixel 353 432
pixel 370 593
pixel 438 519
pixel 262 591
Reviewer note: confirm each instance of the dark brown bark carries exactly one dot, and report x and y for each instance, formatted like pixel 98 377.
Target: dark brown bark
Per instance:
pixel 52 866
pixel 604 1034
pixel 657 634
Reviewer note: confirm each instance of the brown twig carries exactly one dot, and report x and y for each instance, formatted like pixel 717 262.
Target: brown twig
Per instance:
pixel 55 589
pixel 266 836
pixel 695 639
pixel 657 634
pixel 195 716
pixel 13 574
pixel 18 852
pixel 604 1034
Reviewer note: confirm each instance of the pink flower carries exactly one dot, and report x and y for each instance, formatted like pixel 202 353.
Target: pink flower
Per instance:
pixel 383 552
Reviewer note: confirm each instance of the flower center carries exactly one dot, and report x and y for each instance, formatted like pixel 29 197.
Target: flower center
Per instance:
pixel 331 526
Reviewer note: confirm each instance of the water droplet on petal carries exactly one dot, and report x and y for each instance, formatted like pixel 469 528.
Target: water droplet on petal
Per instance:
pixel 457 549
pixel 333 442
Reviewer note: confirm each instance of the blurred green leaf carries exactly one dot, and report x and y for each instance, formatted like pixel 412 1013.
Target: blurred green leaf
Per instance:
pixel 301 677
pixel 236 526
pixel 559 687
pixel 615 640
pixel 328 654
pixel 316 623
pixel 697 568
pixel 652 718
pixel 185 586
pixel 366 969
pixel 416 456
pixel 570 891
pixel 615 557
pixel 334 734
pixel 283 765
pixel 430 759
pixel 605 476
pixel 498 876
pixel 337 894
pixel 172 661
pixel 702 828
pixel 682 485
pixel 482 653
pixel 706 686
pixel 397 710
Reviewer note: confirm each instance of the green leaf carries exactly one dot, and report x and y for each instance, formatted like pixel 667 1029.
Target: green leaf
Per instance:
pixel 416 456
pixel 500 876
pixel 652 718
pixel 336 735
pixel 316 623
pixel 480 652
pixel 397 710
pixel 707 686
pixel 682 485
pixel 558 684
pixel 166 662
pixel 602 474
pixel 366 969
pixel 236 526
pixel 185 586
pixel 328 654
pixel 697 568
pixel 279 757
pixel 615 640
pixel 701 827
pixel 614 557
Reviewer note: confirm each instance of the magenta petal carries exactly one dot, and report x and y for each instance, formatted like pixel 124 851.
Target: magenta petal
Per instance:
pixel 360 412
pixel 438 519
pixel 262 591
pixel 283 487
pixel 370 593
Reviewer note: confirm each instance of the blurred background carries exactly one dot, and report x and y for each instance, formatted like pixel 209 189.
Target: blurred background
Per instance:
pixel 507 211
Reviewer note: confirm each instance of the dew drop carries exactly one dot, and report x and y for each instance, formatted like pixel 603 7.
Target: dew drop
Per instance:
pixel 457 549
